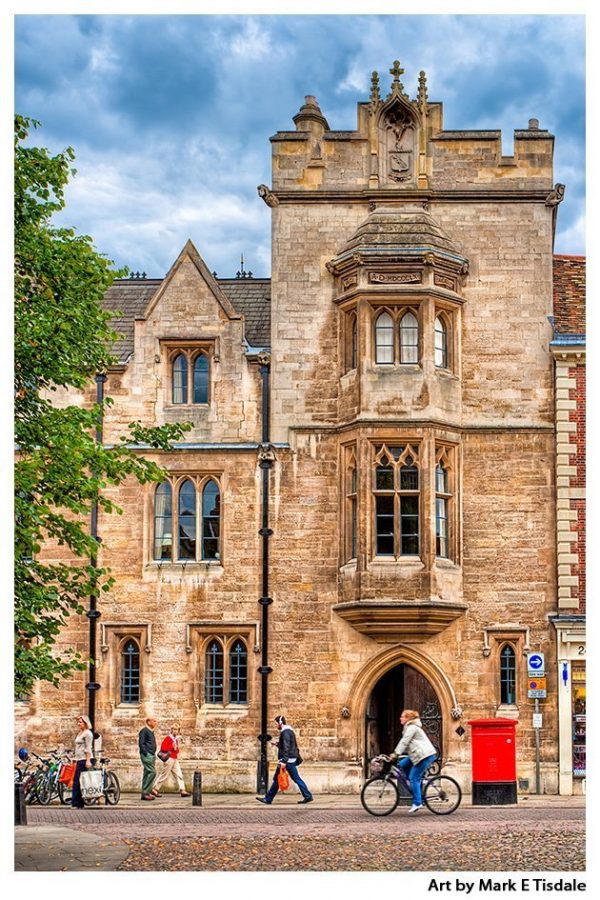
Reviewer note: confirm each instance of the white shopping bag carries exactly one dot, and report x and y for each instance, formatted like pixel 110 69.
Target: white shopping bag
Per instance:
pixel 90 783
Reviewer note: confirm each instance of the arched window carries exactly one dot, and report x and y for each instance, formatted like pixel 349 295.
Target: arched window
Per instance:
pixel 409 508
pixel 163 521
pixel 211 521
pixel 384 339
pixel 201 379
pixel 351 512
pixel 508 675
pixel 351 341
pixel 187 521
pixel 441 343
pixel 238 673
pixel 130 672
pixel 397 501
pixel 409 338
pixel 384 507
pixel 213 681
pixel 442 500
pixel 180 379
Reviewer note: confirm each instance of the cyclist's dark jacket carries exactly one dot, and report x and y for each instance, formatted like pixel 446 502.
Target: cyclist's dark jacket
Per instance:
pixel 288 748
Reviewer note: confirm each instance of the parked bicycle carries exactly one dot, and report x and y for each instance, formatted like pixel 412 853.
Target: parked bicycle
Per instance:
pixel 111 789
pixel 389 787
pixel 40 779
pixel 48 785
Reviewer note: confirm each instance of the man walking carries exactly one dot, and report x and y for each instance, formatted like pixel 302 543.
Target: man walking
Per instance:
pixel 147 744
pixel 288 758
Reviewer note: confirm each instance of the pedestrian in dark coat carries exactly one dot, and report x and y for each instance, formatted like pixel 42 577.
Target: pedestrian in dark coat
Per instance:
pixel 289 758
pixel 147 745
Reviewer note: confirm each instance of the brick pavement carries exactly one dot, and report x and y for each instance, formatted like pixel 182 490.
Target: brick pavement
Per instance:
pixel 338 835
pixel 291 820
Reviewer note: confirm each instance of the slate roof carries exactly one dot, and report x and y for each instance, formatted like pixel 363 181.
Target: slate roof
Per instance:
pixel 568 276
pixel 252 298
pixel 129 297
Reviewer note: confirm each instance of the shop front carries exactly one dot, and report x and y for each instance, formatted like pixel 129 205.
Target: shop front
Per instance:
pixel 571 654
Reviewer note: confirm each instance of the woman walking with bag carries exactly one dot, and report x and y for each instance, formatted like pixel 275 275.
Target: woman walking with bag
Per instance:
pixel 83 758
pixel 169 752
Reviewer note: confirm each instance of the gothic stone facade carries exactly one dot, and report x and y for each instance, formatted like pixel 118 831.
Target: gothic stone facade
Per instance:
pixel 412 494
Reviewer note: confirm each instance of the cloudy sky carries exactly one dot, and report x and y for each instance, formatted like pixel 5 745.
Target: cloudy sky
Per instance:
pixel 170 116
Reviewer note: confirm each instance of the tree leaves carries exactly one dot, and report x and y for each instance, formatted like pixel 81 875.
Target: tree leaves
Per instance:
pixel 62 336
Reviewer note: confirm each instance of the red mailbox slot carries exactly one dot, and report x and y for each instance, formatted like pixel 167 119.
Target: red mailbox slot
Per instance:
pixel 494 761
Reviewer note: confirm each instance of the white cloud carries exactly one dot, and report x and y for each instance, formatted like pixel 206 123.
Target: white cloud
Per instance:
pixel 572 239
pixel 253 42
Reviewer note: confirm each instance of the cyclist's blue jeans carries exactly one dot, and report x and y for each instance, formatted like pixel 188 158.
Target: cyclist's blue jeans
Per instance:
pixel 293 773
pixel 415 774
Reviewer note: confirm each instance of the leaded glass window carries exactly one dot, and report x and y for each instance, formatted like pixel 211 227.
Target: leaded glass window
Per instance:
pixel 238 673
pixel 130 672
pixel 180 379
pixel 201 379
pixel 409 507
pixel 354 343
pixel 214 673
pixel 211 516
pixel 409 338
pixel 163 521
pixel 397 501
pixel 442 501
pixel 508 675
pixel 441 343
pixel 187 521
pixel 384 339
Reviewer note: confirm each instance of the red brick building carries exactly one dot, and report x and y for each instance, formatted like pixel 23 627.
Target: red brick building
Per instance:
pixel 568 349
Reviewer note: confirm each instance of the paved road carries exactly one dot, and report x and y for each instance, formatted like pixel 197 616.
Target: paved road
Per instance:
pixel 333 838
pixel 49 848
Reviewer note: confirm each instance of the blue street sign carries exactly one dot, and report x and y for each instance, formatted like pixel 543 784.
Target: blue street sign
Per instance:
pixel 535 663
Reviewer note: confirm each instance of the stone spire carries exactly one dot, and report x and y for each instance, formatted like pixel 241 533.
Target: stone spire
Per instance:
pixel 397 86
pixel 375 96
pixel 422 94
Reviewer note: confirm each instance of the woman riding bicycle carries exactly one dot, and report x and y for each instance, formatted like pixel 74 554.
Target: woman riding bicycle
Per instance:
pixel 420 754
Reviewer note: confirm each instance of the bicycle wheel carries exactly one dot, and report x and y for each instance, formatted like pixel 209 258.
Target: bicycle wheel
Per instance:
pixel 29 790
pixel 441 795
pixel 65 794
pixel 112 789
pixel 379 795
pixel 44 791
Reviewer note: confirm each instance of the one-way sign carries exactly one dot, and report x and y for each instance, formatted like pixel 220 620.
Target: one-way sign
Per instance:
pixel 535 664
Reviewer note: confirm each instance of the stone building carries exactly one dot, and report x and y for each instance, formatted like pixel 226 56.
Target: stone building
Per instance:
pixel 410 454
pixel 568 350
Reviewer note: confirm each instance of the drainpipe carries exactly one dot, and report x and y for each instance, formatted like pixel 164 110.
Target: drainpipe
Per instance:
pixel 93 613
pixel 266 459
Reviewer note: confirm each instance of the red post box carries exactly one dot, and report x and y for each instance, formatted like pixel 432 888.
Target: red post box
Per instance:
pixel 494 761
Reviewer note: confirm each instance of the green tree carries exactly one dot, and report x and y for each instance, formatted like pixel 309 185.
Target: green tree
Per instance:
pixel 62 340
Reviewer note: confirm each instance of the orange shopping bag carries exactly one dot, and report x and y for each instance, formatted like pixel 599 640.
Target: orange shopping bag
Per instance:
pixel 67 774
pixel 283 779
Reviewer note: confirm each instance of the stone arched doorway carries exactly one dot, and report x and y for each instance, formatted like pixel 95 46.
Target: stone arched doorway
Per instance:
pixel 402 687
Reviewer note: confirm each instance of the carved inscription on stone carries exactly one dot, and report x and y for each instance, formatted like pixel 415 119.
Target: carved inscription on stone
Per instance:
pixel 444 281
pixel 349 281
pixel 399 278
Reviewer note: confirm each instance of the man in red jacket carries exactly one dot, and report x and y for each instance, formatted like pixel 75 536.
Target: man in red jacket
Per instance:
pixel 170 749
